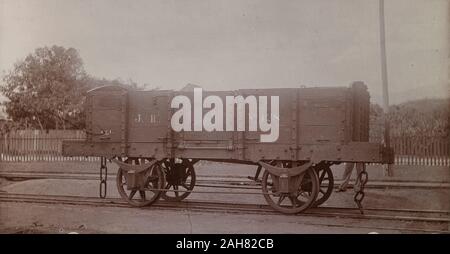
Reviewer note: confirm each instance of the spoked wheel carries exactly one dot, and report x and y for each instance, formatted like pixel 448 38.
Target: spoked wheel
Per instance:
pixel 180 177
pixel 326 183
pixel 293 202
pixel 152 183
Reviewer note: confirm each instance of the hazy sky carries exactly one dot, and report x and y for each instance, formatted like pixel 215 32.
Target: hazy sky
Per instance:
pixel 224 45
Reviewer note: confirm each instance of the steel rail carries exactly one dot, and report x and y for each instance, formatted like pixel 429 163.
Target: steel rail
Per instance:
pixel 205 182
pixel 341 212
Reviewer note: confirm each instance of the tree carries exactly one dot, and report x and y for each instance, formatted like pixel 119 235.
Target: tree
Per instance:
pixel 424 117
pixel 47 89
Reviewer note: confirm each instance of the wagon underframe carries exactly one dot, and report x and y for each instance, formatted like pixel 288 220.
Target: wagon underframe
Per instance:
pixel 352 152
pixel 299 182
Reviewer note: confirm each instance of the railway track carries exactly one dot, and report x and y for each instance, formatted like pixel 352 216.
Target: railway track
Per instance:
pixel 431 221
pixel 219 181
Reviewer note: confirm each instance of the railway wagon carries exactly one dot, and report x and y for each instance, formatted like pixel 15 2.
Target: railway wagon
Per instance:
pixel 293 135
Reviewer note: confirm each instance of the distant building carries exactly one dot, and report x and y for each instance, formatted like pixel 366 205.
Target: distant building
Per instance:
pixel 189 87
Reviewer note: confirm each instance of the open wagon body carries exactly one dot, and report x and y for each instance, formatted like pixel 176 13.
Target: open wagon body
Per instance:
pixel 318 127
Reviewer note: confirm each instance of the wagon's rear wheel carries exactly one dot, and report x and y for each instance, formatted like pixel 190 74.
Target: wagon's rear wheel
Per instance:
pixel 326 182
pixel 293 202
pixel 153 182
pixel 180 177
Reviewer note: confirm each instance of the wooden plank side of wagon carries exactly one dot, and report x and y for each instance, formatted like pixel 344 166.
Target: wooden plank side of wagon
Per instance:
pixel 322 115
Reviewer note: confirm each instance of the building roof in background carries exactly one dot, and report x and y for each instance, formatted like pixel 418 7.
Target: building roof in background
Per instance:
pixel 189 87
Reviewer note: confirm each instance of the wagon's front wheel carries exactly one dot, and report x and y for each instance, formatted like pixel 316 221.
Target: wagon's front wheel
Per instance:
pixel 152 183
pixel 295 201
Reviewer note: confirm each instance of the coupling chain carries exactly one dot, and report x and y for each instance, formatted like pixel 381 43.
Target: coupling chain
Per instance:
pixel 103 177
pixel 363 177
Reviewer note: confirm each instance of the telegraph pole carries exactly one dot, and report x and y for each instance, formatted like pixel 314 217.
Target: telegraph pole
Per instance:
pixel 384 79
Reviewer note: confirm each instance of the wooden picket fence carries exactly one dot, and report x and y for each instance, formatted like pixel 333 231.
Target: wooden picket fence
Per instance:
pixel 35 145
pixel 432 151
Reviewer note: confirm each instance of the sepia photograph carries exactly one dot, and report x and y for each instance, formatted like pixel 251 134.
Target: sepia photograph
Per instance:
pixel 250 117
